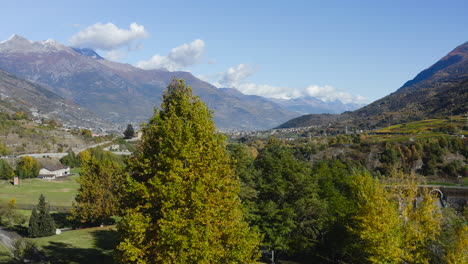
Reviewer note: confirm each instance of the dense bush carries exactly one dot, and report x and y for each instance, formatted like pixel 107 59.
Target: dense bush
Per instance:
pixel 27 167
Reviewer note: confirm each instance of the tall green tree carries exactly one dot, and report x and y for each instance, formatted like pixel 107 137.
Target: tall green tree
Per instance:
pixel 33 228
pixel 101 187
pixel 183 204
pixel 41 224
pixel 27 167
pixel 129 132
pixel 290 215
pixel 378 222
pixel 392 226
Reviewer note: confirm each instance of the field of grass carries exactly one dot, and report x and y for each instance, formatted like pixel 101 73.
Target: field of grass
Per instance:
pixel 429 128
pixel 424 126
pixel 75 170
pixel 57 193
pixel 90 245
pixel 4 254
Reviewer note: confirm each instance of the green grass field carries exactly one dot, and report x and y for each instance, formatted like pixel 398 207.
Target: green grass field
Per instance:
pixel 90 245
pixel 57 193
pixel 4 254
pixel 424 126
pixel 429 128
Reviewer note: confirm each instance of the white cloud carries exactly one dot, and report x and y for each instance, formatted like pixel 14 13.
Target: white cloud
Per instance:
pixel 329 93
pixel 235 77
pixel 115 55
pixel 179 57
pixel 108 36
pixel 267 90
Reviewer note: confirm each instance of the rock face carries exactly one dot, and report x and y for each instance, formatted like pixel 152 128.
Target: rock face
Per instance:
pixel 122 93
pixel 439 91
pixel 21 95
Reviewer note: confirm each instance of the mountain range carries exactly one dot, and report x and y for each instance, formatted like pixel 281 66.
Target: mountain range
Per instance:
pixel 21 95
pixel 311 105
pixel 122 93
pixel 438 91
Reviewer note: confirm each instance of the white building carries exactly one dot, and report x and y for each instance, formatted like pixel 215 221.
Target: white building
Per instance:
pixel 52 172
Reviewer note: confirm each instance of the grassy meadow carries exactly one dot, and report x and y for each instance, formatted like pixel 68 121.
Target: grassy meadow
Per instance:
pixel 58 192
pixel 4 254
pixel 90 245
pixel 429 128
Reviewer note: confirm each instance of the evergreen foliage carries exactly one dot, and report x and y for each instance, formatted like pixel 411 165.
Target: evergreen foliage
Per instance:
pixel 129 132
pixel 41 223
pixel 71 159
pixel 288 209
pixel 182 201
pixel 33 228
pixel 101 187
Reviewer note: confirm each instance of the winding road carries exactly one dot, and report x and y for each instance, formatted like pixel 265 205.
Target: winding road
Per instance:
pixel 63 154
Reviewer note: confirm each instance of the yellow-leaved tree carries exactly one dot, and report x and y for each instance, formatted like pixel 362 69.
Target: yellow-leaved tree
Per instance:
pixel 397 222
pixel 182 195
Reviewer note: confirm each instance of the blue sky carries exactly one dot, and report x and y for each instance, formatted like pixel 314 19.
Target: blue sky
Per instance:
pixel 329 49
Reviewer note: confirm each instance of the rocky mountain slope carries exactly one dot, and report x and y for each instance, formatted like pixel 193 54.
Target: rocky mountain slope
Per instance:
pixel 439 91
pixel 20 95
pixel 122 93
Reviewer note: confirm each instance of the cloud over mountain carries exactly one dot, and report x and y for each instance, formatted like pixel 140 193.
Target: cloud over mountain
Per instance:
pixel 108 36
pixel 235 77
pixel 329 93
pixel 179 58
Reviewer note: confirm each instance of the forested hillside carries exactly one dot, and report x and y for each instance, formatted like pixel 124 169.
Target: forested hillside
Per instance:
pixel 439 91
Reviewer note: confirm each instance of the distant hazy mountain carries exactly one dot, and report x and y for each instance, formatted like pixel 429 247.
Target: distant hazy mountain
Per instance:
pixel 21 95
pixel 311 105
pixel 439 91
pixel 121 92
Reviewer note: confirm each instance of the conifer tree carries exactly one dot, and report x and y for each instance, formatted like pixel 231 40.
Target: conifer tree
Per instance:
pixel 183 204
pixel 129 132
pixel 33 220
pixel 44 224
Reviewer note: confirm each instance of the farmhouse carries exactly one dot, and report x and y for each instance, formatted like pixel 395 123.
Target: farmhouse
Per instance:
pixel 51 172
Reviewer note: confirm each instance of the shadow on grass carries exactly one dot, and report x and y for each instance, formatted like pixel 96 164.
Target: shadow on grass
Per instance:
pixel 21 230
pixel 63 219
pixel 105 239
pixel 104 243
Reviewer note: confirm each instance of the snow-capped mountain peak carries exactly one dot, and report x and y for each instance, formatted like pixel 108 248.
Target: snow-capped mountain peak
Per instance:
pixel 17 43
